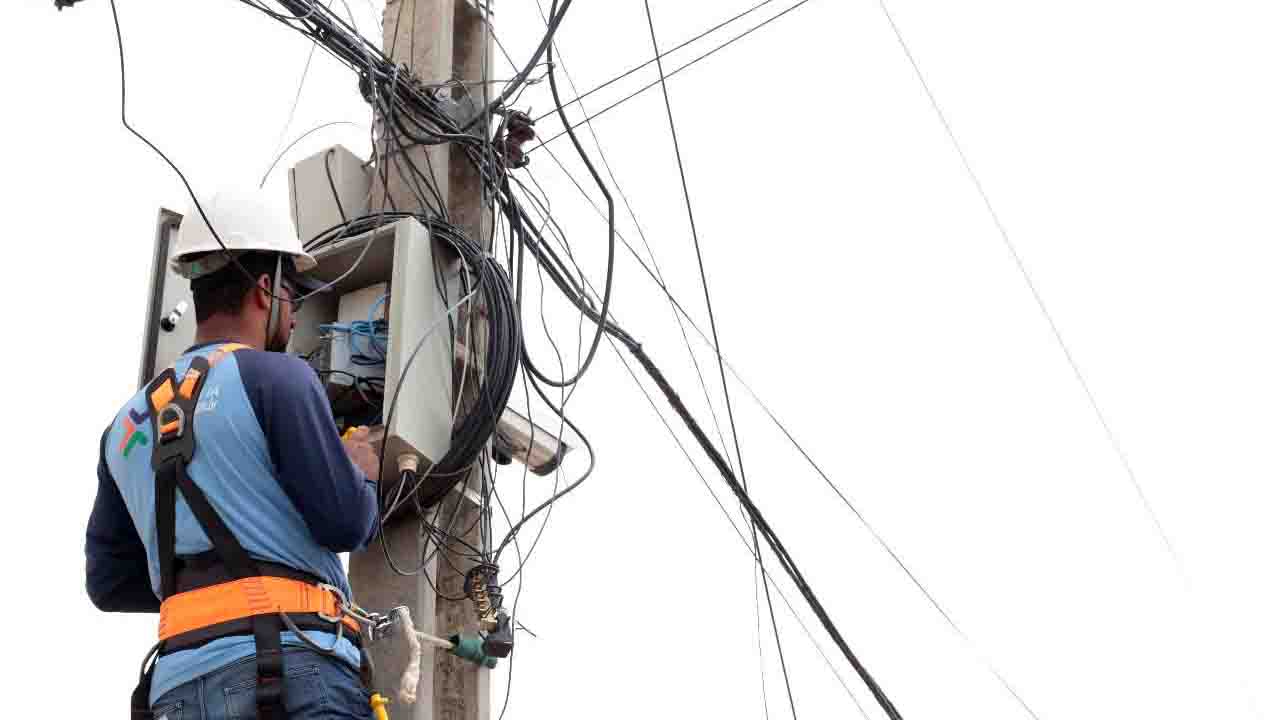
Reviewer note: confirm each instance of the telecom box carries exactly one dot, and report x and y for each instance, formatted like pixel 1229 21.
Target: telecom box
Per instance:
pixel 417 409
pixel 325 188
pixel 400 261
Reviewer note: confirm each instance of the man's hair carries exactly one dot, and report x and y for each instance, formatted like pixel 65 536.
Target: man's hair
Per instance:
pixel 223 291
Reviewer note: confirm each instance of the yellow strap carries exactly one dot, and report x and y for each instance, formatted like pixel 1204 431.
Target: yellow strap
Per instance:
pixel 224 350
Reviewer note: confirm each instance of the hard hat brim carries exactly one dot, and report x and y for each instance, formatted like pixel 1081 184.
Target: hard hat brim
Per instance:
pixel 303 262
pixel 306 283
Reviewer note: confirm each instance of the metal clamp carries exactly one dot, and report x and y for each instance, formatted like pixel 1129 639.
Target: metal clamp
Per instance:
pixel 342 604
pixel 378 626
pixel 386 624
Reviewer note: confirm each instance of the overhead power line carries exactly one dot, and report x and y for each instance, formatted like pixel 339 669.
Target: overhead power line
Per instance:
pixel 647 63
pixel 675 72
pixel 1116 447
pixel 656 277
pixel 1035 292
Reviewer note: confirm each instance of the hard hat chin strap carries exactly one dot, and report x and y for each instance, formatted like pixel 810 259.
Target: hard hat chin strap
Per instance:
pixel 273 315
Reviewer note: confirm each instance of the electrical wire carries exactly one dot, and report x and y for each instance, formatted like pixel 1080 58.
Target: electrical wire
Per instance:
pixel 124 120
pixel 1035 294
pixel 706 292
pixel 677 71
pixel 725 513
pixel 300 138
pixel 608 286
pixel 297 97
pixel 655 275
pixel 583 96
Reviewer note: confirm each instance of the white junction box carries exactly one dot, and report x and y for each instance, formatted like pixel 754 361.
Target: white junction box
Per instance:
pixel 319 205
pixel 358 343
pixel 402 263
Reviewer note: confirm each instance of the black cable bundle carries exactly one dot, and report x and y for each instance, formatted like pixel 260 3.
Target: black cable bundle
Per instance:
pixel 472 431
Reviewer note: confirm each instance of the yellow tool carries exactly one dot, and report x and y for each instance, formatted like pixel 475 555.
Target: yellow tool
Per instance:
pixel 379 705
pixel 351 430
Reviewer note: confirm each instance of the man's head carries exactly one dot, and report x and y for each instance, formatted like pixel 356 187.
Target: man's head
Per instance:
pixel 245 263
pixel 240 296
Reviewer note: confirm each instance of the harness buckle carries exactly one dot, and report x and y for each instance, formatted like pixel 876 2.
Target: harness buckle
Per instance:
pixel 174 406
pixel 172 422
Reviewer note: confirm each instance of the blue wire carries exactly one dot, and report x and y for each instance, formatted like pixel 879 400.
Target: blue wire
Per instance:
pixel 374 332
pixel 373 310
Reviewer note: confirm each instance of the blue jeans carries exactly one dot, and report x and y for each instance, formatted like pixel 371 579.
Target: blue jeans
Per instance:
pixel 317 687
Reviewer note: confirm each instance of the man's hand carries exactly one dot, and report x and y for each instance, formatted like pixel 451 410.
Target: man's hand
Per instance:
pixel 361 452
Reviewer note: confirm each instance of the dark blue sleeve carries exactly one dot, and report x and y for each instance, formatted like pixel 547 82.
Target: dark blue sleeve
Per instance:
pixel 335 498
pixel 116 571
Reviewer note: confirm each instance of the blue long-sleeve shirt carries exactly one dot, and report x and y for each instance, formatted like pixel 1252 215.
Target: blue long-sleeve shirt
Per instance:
pixel 268 457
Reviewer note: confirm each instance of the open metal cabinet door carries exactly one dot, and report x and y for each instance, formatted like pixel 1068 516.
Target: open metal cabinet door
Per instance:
pixel 170 321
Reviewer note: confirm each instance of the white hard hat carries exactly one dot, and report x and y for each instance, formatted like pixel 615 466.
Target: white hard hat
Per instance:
pixel 245 220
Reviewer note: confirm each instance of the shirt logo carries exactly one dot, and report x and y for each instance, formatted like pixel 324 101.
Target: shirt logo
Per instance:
pixel 133 433
pixel 208 401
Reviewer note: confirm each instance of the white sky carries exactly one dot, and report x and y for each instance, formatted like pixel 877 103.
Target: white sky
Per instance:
pixel 861 288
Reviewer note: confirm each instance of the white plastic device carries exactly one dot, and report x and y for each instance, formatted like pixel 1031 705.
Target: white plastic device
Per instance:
pixel 316 204
pixel 357 306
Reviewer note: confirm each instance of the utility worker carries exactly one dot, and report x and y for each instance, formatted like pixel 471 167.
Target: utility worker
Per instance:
pixel 225 491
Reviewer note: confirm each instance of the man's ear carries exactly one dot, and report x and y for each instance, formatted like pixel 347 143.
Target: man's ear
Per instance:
pixel 261 296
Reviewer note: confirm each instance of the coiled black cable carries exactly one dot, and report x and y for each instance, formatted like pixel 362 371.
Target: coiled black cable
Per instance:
pixel 504 344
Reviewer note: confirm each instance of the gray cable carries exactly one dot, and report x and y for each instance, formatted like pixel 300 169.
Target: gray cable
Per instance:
pixel 1179 566
pixel 1035 293
pixel 657 279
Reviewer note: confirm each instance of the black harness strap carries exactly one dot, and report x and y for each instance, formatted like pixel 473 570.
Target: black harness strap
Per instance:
pixel 140 701
pixel 266 628
pixel 166 539
pixel 238 563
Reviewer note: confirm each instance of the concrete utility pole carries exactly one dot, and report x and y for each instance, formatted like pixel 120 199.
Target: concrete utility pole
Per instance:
pixel 438 40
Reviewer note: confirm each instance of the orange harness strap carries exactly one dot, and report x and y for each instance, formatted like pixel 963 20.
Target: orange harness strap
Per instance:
pixel 238 599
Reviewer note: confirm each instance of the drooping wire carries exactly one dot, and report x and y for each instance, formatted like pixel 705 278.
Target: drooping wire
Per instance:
pixel 724 382
pixel 124 120
pixel 604 161
pixel 280 156
pixel 654 274
pixel 518 80
pixel 297 97
pixel 608 287
pixel 725 513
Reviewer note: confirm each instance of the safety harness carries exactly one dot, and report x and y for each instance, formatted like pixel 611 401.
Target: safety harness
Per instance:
pixel 223 592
